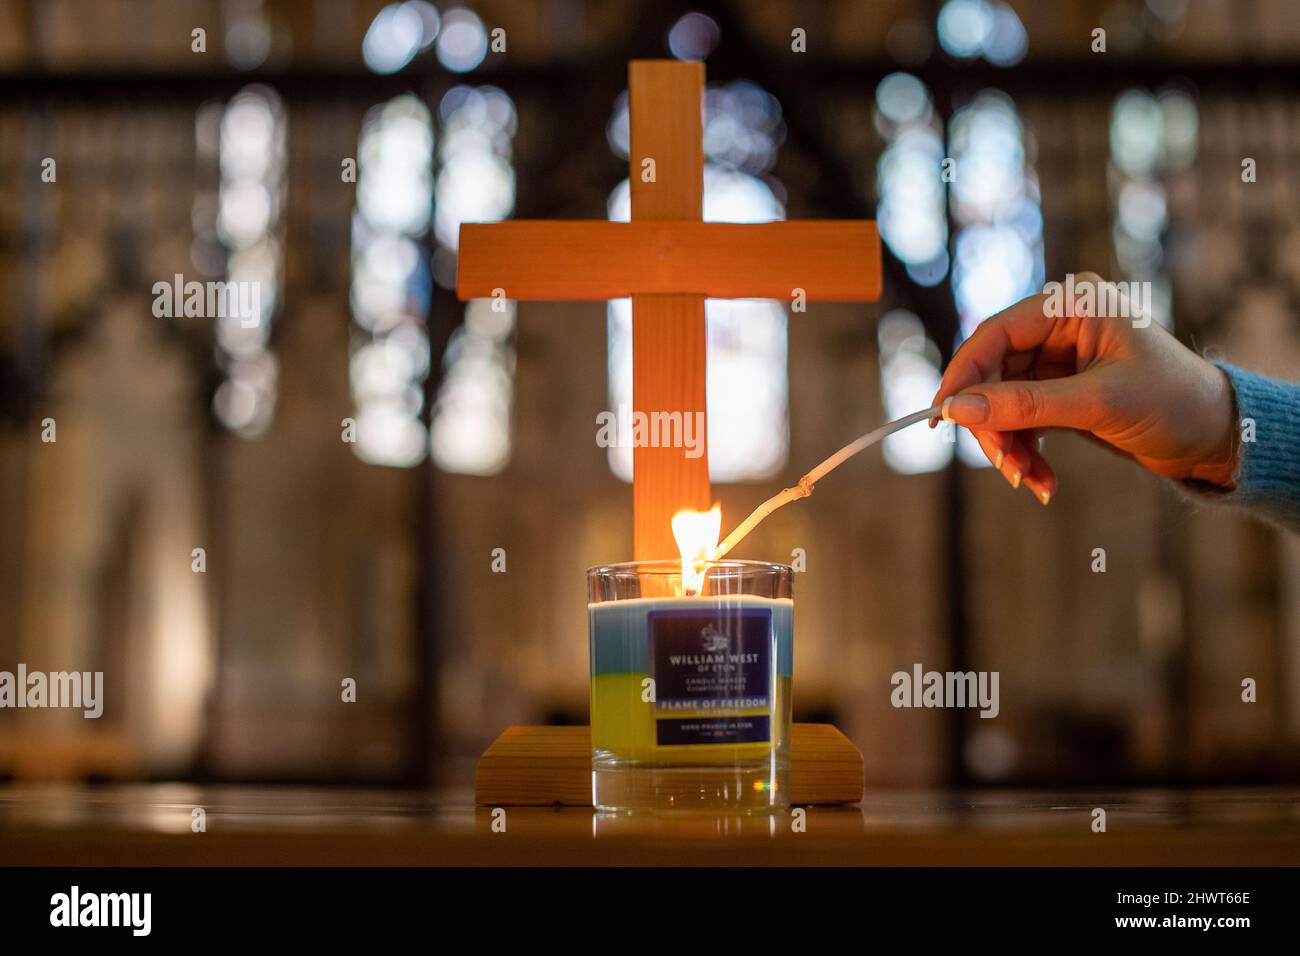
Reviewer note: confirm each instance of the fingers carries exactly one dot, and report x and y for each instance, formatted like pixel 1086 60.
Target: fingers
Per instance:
pixel 1018 460
pixel 1017 334
pixel 1003 339
pixel 1040 479
pixel 995 446
pixel 1021 327
pixel 1014 406
pixel 1046 390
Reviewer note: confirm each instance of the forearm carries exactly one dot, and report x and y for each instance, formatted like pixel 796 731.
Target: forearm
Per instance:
pixel 1266 478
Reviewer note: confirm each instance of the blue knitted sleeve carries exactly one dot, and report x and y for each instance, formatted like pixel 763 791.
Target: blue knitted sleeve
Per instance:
pixel 1267 480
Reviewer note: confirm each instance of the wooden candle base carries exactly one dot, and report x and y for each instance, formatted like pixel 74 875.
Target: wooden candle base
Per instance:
pixel 551 766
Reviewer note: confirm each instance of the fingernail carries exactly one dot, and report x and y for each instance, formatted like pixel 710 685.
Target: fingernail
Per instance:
pixel 997 462
pixel 1015 479
pixel 1044 496
pixel 966 409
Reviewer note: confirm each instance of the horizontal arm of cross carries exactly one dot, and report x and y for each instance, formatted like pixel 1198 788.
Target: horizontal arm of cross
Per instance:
pixel 834 261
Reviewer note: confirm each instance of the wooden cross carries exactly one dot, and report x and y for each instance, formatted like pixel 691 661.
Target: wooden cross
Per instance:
pixel 668 261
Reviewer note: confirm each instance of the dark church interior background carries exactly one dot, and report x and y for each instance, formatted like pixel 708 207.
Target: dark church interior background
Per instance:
pixel 325 559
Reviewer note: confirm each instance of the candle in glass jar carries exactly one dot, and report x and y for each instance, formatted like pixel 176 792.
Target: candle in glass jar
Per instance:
pixel 692 693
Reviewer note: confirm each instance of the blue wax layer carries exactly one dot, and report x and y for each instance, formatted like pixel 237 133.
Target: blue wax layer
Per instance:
pixel 619 634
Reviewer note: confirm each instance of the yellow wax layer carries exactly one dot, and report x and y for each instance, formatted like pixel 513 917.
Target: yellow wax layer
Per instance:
pixel 623 725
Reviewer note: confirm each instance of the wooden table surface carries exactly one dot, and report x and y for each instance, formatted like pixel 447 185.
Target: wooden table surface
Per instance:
pixel 151 825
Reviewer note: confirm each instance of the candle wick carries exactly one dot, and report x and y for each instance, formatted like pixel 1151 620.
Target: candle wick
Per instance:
pixel 804 488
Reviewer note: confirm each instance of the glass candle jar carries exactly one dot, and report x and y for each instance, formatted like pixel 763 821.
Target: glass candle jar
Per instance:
pixel 690 694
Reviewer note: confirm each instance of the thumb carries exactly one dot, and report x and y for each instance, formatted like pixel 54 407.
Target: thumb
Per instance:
pixel 1011 406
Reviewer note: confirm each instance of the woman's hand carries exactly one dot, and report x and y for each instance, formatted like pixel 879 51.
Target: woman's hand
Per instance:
pixel 1139 390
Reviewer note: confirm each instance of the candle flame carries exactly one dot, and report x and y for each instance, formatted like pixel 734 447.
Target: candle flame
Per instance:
pixel 697 537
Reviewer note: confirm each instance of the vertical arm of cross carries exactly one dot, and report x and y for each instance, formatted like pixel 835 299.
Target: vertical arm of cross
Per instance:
pixel 668 331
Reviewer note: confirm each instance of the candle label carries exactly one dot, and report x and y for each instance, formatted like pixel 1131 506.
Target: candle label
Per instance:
pixel 713 675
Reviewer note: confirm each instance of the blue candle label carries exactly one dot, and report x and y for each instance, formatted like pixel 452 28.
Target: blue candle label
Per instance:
pixel 709 668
